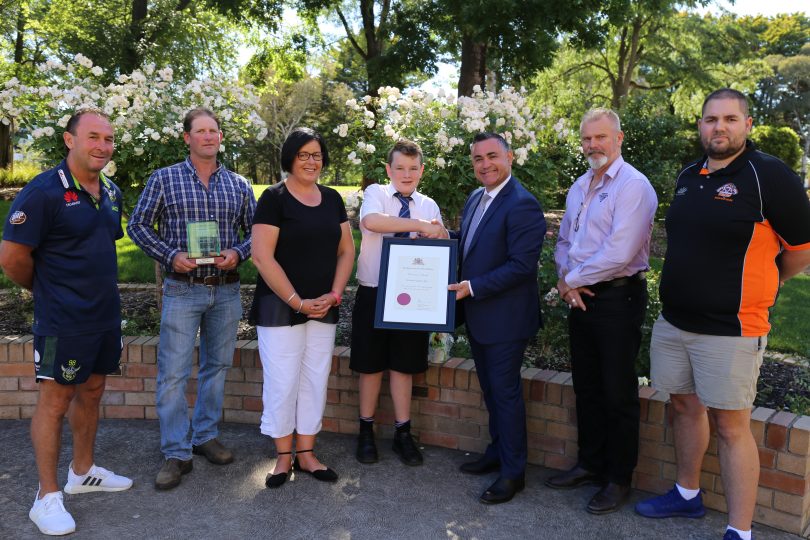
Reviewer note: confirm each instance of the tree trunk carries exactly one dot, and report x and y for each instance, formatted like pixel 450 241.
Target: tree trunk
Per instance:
pixel 130 55
pixel 473 66
pixel 6 148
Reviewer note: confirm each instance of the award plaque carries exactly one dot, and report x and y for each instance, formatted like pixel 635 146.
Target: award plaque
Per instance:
pixel 412 294
pixel 203 242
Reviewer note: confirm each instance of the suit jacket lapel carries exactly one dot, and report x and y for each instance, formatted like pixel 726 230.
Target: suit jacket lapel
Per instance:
pixel 493 207
pixel 474 202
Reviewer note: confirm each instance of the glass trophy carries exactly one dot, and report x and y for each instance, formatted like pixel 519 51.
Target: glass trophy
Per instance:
pixel 203 242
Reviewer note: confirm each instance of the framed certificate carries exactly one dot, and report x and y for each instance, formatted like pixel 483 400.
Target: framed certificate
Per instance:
pixel 203 241
pixel 412 293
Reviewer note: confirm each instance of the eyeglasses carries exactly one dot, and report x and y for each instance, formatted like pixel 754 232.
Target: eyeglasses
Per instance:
pixel 304 156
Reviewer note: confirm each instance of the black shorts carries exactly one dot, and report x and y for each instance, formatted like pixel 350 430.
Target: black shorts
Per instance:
pixel 71 359
pixel 375 350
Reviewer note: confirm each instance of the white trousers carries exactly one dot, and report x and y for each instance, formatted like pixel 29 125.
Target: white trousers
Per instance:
pixel 296 361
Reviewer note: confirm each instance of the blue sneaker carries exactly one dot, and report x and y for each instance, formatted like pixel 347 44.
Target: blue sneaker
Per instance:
pixel 732 535
pixel 671 504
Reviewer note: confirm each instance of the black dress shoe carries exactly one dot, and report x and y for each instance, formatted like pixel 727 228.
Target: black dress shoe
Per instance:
pixel 366 447
pixel 480 466
pixel 324 475
pixel 576 477
pixel 406 449
pixel 502 490
pixel 609 499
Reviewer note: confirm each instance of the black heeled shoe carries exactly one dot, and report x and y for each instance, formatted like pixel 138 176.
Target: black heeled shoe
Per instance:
pixel 278 479
pixel 324 475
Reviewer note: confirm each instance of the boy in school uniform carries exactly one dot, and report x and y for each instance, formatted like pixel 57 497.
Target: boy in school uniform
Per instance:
pixel 394 209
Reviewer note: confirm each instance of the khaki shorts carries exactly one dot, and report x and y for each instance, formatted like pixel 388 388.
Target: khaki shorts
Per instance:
pixel 721 370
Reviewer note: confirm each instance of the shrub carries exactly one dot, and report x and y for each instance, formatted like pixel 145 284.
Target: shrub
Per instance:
pixel 20 175
pixel 781 142
pixel 146 109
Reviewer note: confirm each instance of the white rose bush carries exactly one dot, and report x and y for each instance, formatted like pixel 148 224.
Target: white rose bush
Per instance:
pixel 444 127
pixel 145 107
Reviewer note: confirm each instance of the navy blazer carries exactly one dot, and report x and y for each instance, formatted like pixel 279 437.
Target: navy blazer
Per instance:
pixel 502 266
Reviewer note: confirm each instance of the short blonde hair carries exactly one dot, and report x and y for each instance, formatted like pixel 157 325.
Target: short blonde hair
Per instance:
pixel 600 112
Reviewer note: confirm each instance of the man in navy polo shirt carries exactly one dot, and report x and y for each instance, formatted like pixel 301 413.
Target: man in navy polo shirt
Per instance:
pixel 59 241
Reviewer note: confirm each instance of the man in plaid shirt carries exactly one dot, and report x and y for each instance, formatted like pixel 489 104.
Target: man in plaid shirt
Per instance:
pixel 202 298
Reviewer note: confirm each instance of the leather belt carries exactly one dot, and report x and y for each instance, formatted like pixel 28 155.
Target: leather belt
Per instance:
pixel 618 282
pixel 207 280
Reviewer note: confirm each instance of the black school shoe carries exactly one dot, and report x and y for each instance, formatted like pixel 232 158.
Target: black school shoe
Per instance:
pixel 406 449
pixel 366 447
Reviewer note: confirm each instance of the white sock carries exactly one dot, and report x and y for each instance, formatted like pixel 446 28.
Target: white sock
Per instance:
pixel 688 494
pixel 745 535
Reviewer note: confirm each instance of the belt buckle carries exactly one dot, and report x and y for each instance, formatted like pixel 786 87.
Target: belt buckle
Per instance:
pixel 211 280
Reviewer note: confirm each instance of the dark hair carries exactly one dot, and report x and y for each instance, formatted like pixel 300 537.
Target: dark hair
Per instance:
pixel 406 147
pixel 193 114
pixel 73 121
pixel 486 135
pixel 295 140
pixel 727 93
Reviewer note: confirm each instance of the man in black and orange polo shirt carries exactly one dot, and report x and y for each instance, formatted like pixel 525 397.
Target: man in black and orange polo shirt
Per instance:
pixel 738 227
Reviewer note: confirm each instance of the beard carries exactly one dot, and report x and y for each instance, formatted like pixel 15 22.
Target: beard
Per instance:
pixel 597 161
pixel 723 151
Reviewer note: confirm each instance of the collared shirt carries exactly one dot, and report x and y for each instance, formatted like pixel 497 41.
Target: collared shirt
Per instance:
pixel 605 232
pixel 725 230
pixel 380 199
pixel 75 265
pixel 175 196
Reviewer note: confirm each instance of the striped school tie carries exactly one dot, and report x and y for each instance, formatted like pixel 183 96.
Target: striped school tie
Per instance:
pixel 404 212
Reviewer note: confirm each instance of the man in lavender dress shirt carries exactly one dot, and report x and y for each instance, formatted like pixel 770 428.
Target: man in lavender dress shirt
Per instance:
pixel 601 255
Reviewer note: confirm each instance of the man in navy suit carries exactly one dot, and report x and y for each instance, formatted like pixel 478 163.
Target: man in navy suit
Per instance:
pixel 501 235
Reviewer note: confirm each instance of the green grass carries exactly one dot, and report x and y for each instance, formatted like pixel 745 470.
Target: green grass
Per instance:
pixel 790 318
pixel 22 173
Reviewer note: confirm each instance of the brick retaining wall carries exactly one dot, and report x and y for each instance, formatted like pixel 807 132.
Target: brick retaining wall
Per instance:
pixel 448 411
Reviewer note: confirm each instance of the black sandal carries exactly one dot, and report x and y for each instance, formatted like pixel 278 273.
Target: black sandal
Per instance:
pixel 324 475
pixel 276 480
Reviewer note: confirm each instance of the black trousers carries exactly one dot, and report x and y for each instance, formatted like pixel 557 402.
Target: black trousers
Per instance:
pixel 605 341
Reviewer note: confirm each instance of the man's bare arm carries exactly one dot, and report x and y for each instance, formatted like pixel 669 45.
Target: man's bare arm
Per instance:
pixel 17 263
pixel 792 262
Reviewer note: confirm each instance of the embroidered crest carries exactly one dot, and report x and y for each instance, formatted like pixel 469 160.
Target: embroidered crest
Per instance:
pixel 726 192
pixel 69 372
pixel 17 218
pixel 603 196
pixel 681 191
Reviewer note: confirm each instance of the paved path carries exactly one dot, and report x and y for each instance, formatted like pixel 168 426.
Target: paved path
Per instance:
pixel 383 501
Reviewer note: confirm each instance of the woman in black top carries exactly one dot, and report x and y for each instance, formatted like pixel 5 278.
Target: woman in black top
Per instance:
pixel 303 248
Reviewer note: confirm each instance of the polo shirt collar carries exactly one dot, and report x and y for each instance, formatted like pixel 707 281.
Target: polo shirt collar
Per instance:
pixel 63 171
pixel 735 165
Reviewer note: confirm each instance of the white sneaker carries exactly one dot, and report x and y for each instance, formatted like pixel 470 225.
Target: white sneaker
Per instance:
pixel 96 479
pixel 49 514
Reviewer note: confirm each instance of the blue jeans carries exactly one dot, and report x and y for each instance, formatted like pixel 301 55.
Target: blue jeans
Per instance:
pixel 215 311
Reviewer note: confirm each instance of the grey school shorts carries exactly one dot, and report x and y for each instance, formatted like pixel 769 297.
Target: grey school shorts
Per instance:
pixel 721 370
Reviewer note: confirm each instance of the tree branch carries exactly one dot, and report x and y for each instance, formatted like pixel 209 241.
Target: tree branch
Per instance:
pixel 350 35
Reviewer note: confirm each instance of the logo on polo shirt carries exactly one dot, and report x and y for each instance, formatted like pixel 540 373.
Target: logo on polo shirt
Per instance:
pixel 603 196
pixel 17 218
pixel 69 372
pixel 71 198
pixel 681 191
pixel 726 192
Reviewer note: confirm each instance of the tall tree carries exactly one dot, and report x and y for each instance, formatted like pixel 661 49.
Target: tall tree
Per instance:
pixel 511 39
pixel 393 38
